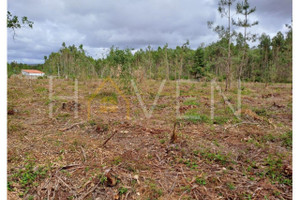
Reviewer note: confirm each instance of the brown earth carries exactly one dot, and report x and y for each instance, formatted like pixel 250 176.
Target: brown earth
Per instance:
pixel 64 157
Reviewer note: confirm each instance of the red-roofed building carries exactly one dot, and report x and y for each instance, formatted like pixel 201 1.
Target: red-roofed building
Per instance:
pixel 32 72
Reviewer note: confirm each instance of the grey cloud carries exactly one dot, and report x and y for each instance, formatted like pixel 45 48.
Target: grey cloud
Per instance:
pixel 128 23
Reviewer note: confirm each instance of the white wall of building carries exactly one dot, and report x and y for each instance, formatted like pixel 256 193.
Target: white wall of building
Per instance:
pixel 32 74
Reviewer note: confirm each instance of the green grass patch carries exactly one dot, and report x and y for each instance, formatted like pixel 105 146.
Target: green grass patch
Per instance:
pixel 123 190
pixel 200 181
pixel 105 97
pixel 41 90
pixel 218 157
pixel 191 103
pixel 27 177
pixel 194 117
pixel 287 139
pixel 156 192
pixel 275 171
pixel 261 112
pixel 220 120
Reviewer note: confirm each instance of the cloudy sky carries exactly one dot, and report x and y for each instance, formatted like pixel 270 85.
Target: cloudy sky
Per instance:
pixel 126 23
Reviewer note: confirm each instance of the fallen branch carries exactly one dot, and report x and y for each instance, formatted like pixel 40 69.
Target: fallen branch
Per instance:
pixel 90 191
pixel 234 125
pixel 83 153
pixel 112 135
pixel 70 127
pixel 68 167
pixel 71 189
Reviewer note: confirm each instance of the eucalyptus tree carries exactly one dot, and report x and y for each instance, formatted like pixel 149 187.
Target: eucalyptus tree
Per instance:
pixel 277 48
pixel 167 61
pixel 265 52
pixel 289 52
pixel 149 51
pixel 183 54
pixel 215 56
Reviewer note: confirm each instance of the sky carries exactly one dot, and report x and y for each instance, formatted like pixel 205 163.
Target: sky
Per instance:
pixel 100 24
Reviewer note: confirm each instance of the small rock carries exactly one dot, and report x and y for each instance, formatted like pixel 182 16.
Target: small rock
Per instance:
pixel 136 177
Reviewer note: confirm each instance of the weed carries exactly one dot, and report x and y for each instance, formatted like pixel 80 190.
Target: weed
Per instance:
pixel 186 188
pixel 105 96
pixel 123 190
pixel 190 164
pixel 9 186
pixel 161 106
pixel 216 143
pixel 220 120
pixel 156 192
pixel 247 196
pixel 27 177
pixel 102 178
pixel 62 116
pixel 287 139
pixel 117 160
pixel 274 170
pixel 191 103
pixel 200 181
pixel 92 122
pixel 269 137
pixel 41 90
pixel 216 157
pixel 196 118
pixel 261 112
pixel 15 127
pixel 162 141
pixel 231 186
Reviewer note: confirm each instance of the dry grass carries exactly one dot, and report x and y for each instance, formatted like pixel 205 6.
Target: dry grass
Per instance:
pixel 64 157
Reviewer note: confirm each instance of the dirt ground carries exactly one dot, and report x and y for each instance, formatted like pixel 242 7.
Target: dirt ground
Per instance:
pixel 103 154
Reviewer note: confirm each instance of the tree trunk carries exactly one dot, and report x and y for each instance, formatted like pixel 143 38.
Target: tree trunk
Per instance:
pixel 167 63
pixel 228 74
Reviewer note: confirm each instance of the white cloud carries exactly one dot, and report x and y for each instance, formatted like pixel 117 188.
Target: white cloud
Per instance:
pixel 126 23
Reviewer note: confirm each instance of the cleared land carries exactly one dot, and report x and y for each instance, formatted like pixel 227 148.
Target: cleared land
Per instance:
pixel 228 158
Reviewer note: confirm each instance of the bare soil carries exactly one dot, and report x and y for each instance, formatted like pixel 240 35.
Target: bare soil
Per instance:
pixel 65 157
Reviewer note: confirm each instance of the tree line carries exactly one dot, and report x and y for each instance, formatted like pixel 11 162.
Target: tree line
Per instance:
pixel 231 57
pixel 269 61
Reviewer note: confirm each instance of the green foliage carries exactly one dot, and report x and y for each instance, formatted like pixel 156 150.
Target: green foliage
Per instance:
pixel 105 97
pixel 191 102
pixel 194 117
pixel 190 164
pixel 270 61
pixel 214 156
pixel 275 171
pixel 287 139
pixel 200 181
pixel 102 178
pixel 220 119
pixel 117 160
pixel 156 192
pixel 231 186
pixel 13 22
pixel 198 69
pixel 261 111
pixel 16 68
pixel 27 177
pixel 123 190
